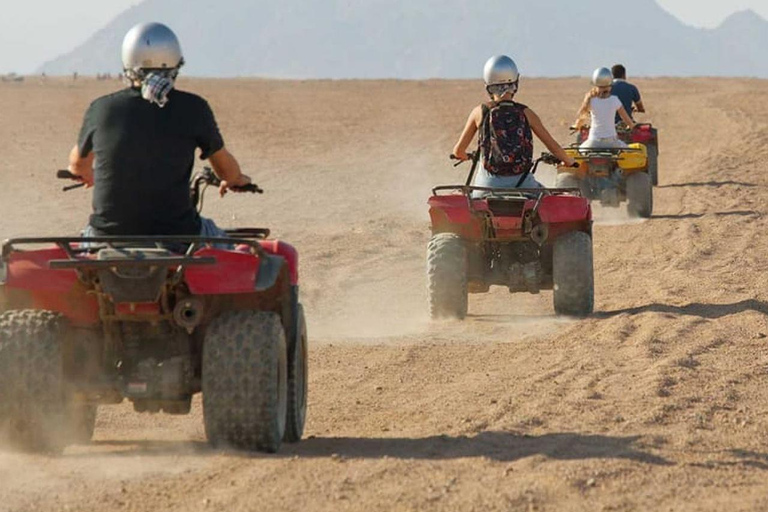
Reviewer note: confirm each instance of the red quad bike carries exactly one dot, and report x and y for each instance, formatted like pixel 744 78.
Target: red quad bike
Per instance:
pixel 524 239
pixel 153 319
pixel 644 133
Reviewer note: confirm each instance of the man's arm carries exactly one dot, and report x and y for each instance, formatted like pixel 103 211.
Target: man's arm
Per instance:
pixel 638 101
pixel 227 168
pixel 81 165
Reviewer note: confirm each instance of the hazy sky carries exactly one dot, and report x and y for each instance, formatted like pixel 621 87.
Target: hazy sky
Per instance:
pixel 34 31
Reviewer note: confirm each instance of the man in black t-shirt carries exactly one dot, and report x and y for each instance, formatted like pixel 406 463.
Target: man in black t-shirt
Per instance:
pixel 137 146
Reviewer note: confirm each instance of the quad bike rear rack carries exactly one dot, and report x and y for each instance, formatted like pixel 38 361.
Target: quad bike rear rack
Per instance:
pixel 532 193
pixel 604 151
pixel 74 246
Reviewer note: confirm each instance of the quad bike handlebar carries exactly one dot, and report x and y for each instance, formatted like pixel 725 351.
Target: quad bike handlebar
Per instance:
pixel 200 181
pixel 206 178
pixel 471 155
pixel 65 174
pixel 547 158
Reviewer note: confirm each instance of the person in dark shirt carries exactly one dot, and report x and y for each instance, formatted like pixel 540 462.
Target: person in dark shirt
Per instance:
pixel 137 146
pixel 625 91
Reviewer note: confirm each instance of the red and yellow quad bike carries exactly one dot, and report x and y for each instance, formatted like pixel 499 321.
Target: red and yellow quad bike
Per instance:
pixel 156 319
pixel 526 240
pixel 611 176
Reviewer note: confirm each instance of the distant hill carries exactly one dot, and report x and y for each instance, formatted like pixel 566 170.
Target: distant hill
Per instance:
pixel 430 38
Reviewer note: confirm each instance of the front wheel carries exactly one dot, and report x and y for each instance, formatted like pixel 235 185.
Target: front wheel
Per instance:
pixel 447 276
pixel 245 381
pixel 573 274
pixel 640 195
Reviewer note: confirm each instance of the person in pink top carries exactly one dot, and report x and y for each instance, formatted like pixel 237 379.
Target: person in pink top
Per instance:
pixel 601 108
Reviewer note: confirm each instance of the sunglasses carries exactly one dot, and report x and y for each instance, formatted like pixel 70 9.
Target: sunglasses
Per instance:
pixel 502 89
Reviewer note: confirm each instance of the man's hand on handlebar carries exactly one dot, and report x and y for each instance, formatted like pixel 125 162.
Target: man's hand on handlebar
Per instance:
pixel 85 178
pixel 240 185
pixel 66 174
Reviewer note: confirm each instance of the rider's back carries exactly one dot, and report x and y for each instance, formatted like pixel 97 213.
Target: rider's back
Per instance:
pixel 627 94
pixel 143 161
pixel 602 112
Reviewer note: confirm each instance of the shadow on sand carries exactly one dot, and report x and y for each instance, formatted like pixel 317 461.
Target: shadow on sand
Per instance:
pixel 711 311
pixel 738 213
pixel 714 184
pixel 498 446
pixel 515 319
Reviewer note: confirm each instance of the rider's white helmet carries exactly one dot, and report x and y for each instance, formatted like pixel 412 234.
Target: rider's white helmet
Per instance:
pixel 602 77
pixel 150 46
pixel 500 70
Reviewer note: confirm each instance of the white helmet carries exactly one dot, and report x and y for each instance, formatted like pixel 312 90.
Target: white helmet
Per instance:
pixel 602 77
pixel 151 46
pixel 500 70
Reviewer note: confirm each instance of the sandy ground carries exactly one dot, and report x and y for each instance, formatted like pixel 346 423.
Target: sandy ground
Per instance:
pixel 657 402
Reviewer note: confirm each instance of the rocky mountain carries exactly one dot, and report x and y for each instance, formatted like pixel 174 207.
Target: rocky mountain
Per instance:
pixel 430 38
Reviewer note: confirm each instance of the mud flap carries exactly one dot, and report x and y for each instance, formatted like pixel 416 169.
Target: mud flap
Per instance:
pixel 269 271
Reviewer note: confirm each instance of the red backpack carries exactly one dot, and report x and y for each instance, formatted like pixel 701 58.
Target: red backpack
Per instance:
pixel 505 139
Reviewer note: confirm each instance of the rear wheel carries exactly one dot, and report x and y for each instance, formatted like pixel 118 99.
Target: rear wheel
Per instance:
pixel 573 274
pixel 297 381
pixel 37 408
pixel 447 276
pixel 640 195
pixel 245 381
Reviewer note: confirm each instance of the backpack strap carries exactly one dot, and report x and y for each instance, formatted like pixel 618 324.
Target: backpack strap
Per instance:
pixel 486 110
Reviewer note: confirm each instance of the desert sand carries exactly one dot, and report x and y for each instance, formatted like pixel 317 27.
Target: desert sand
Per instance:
pixel 656 402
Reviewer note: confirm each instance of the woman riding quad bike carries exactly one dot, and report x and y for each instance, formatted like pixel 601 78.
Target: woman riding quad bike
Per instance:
pixel 601 107
pixel 505 131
